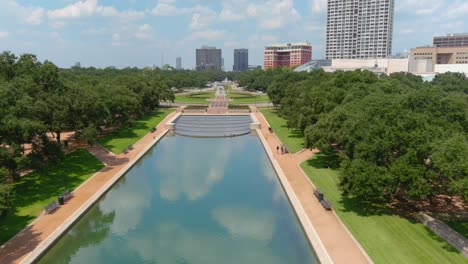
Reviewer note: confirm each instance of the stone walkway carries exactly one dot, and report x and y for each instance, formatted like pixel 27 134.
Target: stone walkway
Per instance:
pixel 218 106
pixel 19 247
pixel 443 230
pixel 339 243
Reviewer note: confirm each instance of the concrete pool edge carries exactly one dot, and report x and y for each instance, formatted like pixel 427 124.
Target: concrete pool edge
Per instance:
pixel 42 248
pixel 311 234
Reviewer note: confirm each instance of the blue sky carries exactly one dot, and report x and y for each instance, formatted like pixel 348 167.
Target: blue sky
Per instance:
pixel 139 33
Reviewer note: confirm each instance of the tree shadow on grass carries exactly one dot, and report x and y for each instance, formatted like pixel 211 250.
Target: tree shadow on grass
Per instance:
pixel 37 189
pixel 130 131
pixel 445 245
pixel 329 160
pixel 325 159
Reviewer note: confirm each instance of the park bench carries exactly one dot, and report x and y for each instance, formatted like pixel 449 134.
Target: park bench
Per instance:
pixel 51 207
pixel 326 204
pixel 270 129
pixel 153 130
pixel 318 194
pixel 64 197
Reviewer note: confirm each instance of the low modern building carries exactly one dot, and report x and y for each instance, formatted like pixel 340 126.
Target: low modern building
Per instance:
pixel 441 55
pixel 287 55
pixel 313 65
pixel 208 58
pixel 451 40
pixel 378 66
pixel 241 60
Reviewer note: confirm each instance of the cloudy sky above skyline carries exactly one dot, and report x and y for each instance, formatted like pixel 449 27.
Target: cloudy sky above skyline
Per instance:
pixel 139 33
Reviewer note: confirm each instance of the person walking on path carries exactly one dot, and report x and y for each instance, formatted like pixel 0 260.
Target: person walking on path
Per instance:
pixel 277 149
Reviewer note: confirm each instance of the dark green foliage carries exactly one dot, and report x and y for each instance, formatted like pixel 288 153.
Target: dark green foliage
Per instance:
pixel 398 137
pixel 7 198
pixel 38 100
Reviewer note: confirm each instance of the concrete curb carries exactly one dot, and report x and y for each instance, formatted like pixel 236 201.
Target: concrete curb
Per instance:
pixel 364 252
pixel 304 220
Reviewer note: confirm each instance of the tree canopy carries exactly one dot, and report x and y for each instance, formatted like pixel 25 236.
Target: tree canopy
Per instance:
pixel 397 137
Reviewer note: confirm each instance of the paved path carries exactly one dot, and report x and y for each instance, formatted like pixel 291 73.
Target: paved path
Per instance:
pixel 218 106
pixel 443 230
pixel 29 238
pixel 336 239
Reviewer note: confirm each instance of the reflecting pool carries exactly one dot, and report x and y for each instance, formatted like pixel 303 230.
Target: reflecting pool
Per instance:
pixel 191 200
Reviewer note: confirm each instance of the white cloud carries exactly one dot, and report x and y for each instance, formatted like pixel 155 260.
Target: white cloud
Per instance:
pixel 116 39
pixel 246 222
pixel 76 10
pixel 209 34
pixel 318 6
pixel 280 13
pixel 10 9
pixel 35 15
pixel 4 34
pixel 233 10
pixel 166 8
pixel 144 32
pixel 110 11
pixel 202 19
pixel 90 7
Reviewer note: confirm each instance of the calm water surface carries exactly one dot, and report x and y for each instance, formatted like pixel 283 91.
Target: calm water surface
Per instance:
pixel 191 200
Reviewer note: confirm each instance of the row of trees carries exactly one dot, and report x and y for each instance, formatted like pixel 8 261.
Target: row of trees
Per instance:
pixel 397 137
pixel 37 99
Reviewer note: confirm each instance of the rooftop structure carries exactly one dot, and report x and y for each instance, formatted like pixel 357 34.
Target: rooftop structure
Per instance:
pixel 451 40
pixel 287 55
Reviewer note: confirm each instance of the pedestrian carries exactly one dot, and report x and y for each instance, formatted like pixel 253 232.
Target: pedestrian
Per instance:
pixel 277 149
pixel 282 150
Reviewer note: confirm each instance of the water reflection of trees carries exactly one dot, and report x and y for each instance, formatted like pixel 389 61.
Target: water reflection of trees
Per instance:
pixel 90 230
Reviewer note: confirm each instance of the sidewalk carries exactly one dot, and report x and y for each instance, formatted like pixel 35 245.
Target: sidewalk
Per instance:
pixel 19 247
pixel 334 236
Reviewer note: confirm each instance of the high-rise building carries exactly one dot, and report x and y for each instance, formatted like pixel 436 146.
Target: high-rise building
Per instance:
pixel 359 29
pixel 208 58
pixel 287 55
pixel 241 60
pixel 178 63
pixel 451 40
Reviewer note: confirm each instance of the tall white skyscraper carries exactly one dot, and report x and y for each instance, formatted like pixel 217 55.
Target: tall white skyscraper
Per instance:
pixel 359 29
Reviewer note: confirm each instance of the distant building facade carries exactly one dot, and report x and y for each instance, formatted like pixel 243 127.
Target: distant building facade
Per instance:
pixel 208 58
pixel 451 40
pixel 287 55
pixel 241 60
pixel 178 63
pixel 441 55
pixel 359 29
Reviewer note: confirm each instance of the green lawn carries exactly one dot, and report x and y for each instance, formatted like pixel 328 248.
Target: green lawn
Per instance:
pixel 120 139
pixel 244 98
pixel 387 238
pixel 238 98
pixel 292 138
pixel 459 226
pixel 201 97
pixel 37 189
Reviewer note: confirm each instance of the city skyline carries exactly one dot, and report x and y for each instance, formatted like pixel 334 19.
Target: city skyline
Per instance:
pixel 94 32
